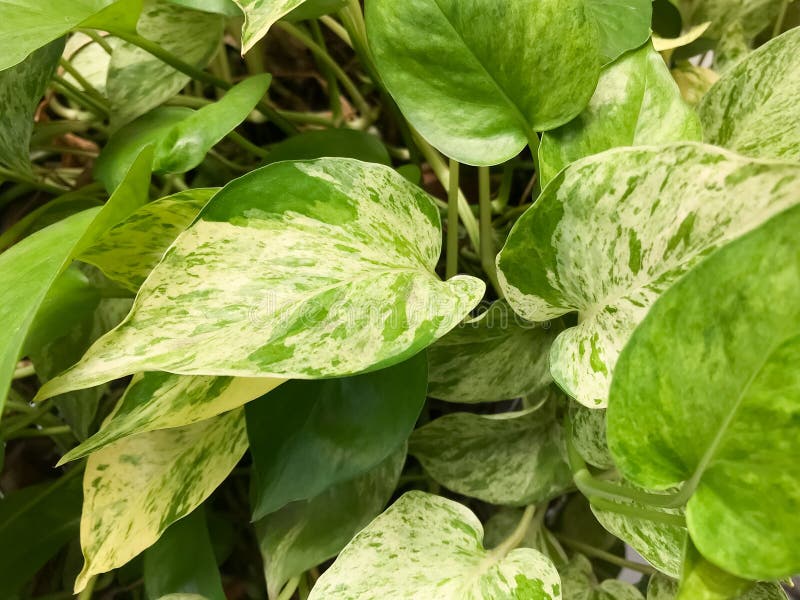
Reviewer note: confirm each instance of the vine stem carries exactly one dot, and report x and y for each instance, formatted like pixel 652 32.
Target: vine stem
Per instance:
pixel 781 16
pixel 19 178
pixel 516 537
pixel 589 550
pixel 452 221
pixel 487 236
pixel 197 74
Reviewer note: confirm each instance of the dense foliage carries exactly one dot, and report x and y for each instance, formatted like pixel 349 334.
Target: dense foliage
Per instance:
pixel 236 361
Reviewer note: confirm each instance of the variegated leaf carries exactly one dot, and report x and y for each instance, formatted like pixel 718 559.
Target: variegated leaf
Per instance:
pixel 260 15
pixel 21 89
pixel 579 582
pixel 136 488
pixel 661 544
pixel 192 35
pixel 511 459
pixel 425 546
pixel 26 26
pixel 636 103
pixel 753 109
pixel 614 231
pixel 589 435
pixel 664 588
pixel 303 534
pixel 131 249
pixel 753 15
pixel 296 270
pixel 155 401
pixel 90 59
pixel 479 361
pixel 693 81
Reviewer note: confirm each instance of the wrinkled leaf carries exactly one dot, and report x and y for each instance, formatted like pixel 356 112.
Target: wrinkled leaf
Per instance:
pixel 21 89
pixel 136 488
pixel 579 582
pixel 623 24
pixel 614 231
pixel 296 270
pixel 503 70
pixel 753 109
pixel 636 103
pixel 721 411
pixel 303 534
pixel 445 541
pixel 511 459
pixel 480 360
pixel 309 435
pixel 192 35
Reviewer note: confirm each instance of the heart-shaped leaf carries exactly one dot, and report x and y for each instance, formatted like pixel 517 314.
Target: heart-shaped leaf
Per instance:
pixel 479 360
pixel 636 103
pixel 309 435
pixel 753 109
pixel 614 231
pixel 136 488
pixel 446 540
pixel 720 411
pixel 503 70
pixel 296 270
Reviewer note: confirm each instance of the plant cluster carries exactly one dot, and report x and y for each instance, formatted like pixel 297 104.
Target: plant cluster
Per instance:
pixel 431 299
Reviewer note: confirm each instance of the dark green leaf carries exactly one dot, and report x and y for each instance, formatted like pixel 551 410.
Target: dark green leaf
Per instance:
pixel 347 143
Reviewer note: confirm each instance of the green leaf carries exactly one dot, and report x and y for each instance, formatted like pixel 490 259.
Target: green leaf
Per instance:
pixel 753 108
pixel 664 588
pixel 314 9
pixel 720 412
pixel 130 250
pixel 155 401
pixel 701 580
pixel 260 15
pixel 309 435
pixel 28 269
pixel 21 89
pixel 222 7
pixel 623 24
pixel 136 488
pixel 192 35
pixel 661 544
pixel 589 435
pixel 27 26
pixel 513 459
pixel 480 360
pixel 636 103
pixel 296 270
pixel 347 143
pixel 614 231
pixel 753 15
pixel 445 540
pixel 35 522
pixel 303 534
pixel 502 70
pixel 183 561
pixel 579 582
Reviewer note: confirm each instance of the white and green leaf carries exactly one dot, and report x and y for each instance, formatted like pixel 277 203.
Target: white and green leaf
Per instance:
pixel 589 435
pixel 612 232
pixel 579 582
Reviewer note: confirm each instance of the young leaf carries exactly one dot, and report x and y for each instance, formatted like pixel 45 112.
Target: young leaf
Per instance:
pixel 753 108
pixel 136 488
pixel 347 143
pixel 28 269
pixel 130 250
pixel 21 89
pixel 27 26
pixel 445 541
pixel 513 459
pixel 192 35
pixel 155 401
pixel 636 103
pixel 309 435
pixel 303 534
pixel 503 70
pixel 296 270
pixel 479 361
pixel 664 588
pixel 579 582
pixel 183 561
pixel 720 412
pixel 615 230
pixel 623 24
pixel 35 522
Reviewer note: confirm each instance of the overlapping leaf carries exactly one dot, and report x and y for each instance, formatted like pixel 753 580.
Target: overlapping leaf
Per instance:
pixel 296 270
pixel 721 411
pixel 623 24
pixel 579 582
pixel 614 231
pixel 426 546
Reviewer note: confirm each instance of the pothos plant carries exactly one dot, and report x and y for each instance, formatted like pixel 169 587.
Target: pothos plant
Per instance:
pixel 231 337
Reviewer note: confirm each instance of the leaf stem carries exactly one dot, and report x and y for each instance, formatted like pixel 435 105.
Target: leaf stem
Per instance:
pixel 516 537
pixel 98 39
pixel 487 235
pixel 334 94
pixel 43 432
pixel 452 221
pixel 84 83
pixel 87 592
pixel 44 187
pixel 593 552
pixel 79 96
pixel 776 31
pixel 337 29
pixel 639 512
pixel 288 590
